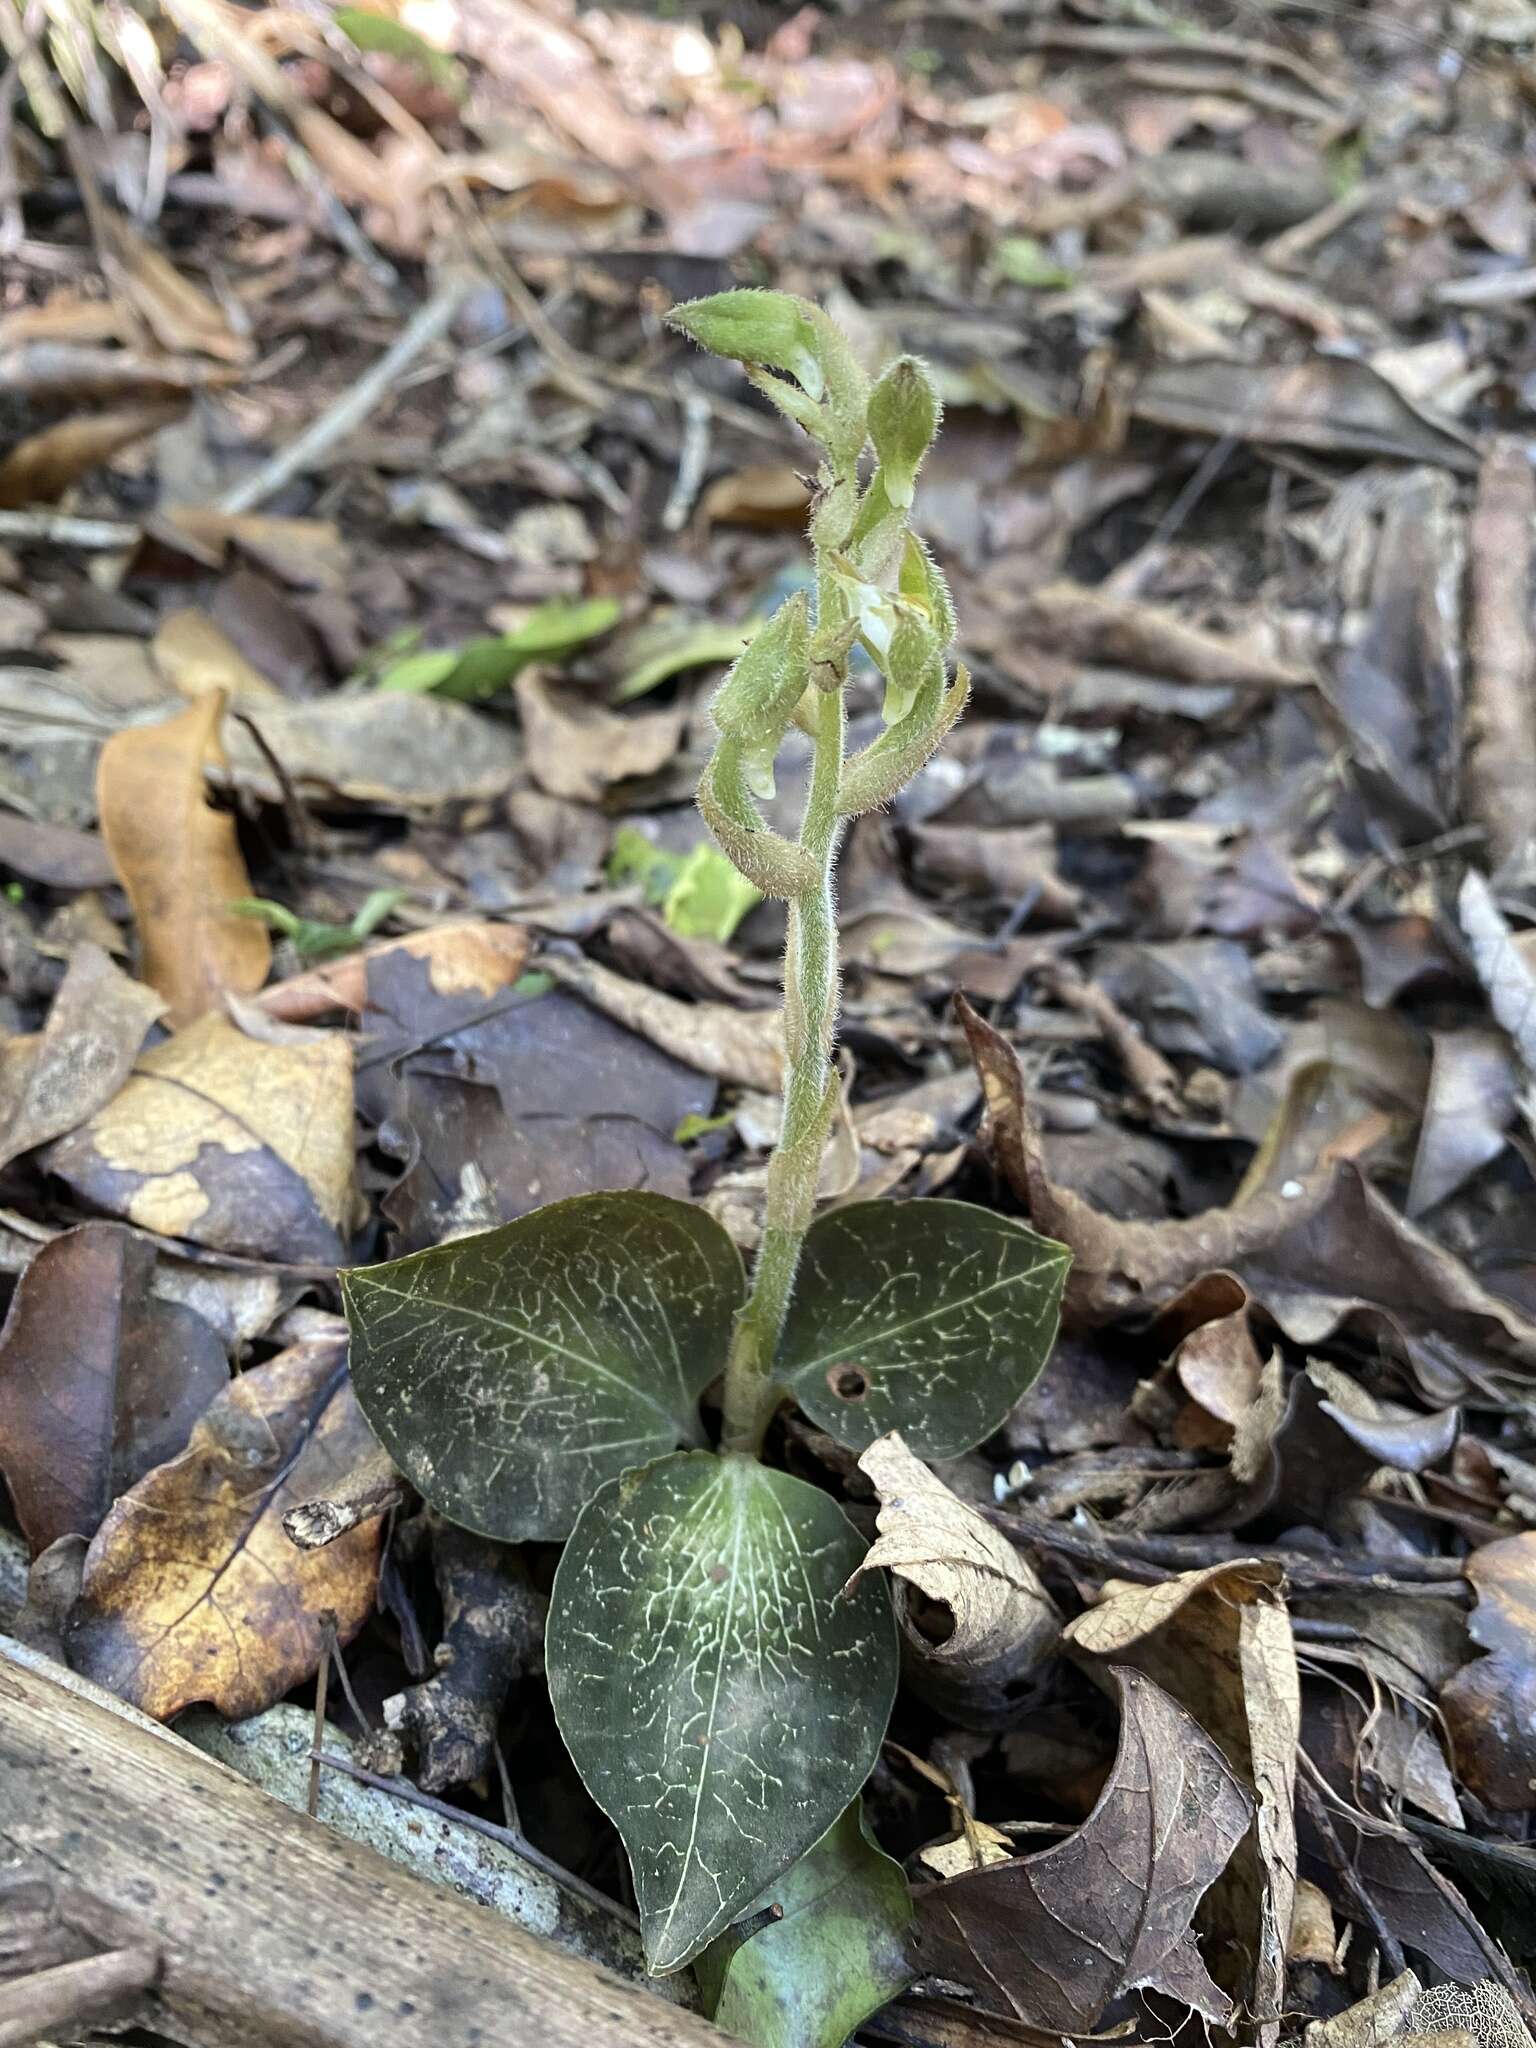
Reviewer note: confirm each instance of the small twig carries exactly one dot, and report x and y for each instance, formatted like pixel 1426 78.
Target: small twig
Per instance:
pixel 1154 1558
pixel 691 460
pixel 57 2000
pixel 322 1683
pixel 427 326
pixel 508 1837
pixel 298 819
pixel 62 529
pixel 1359 1898
pixel 315 1523
pixel 12 224
pixel 1499 747
pixel 1154 1080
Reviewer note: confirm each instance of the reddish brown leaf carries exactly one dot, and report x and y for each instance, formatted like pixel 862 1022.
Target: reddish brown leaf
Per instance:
pixel 99 1380
pixel 1117 1266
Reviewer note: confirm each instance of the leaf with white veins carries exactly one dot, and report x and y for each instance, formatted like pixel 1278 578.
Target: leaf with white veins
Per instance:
pixel 512 1373
pixel 928 1317
pixel 721 1699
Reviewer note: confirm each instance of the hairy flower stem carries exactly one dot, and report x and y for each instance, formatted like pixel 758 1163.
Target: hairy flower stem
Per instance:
pixel 876 586
pixel 810 1013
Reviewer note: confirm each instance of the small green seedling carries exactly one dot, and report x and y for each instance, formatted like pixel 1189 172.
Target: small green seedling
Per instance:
pixel 312 940
pixel 722 1696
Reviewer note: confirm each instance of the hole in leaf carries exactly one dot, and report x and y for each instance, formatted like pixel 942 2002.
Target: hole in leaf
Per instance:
pixel 848 1382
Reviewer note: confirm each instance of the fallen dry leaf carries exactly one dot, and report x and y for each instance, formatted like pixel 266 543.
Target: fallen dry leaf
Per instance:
pixel 51 1083
pixel 99 1381
pixel 55 854
pixel 1333 404
pixel 1220 1641
pixel 1313 1938
pixel 1117 1266
pixel 1469 1106
pixel 470 958
pixel 1506 975
pixel 44 465
pixel 307 554
pixel 180 862
pixel 1052 1940
pixel 579 751
pixel 501 1105
pixel 762 494
pixel 1098 625
pixel 1374 2021
pixel 1310 1442
pixel 180 317
pixel 745 1047
pixel 235 1144
pixel 1004 1623
pixel 388 747
pixel 1352 1258
pixel 192 1590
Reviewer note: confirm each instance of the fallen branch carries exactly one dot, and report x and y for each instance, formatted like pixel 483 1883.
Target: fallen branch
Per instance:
pixel 275 1931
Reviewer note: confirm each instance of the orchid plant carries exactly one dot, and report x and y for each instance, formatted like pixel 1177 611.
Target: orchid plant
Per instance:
pixel 721 1692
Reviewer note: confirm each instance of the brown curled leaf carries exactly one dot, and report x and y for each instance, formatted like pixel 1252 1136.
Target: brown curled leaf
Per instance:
pixel 1052 1940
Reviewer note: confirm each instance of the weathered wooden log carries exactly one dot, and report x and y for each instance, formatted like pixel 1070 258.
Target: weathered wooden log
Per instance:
pixel 272 1931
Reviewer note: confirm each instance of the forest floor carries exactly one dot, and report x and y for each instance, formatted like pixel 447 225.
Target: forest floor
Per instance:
pixel 369 550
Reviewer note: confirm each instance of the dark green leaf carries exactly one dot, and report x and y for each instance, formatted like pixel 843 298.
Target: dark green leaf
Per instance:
pixel 837 1953
pixel 721 1698
pixel 511 1373
pixel 928 1317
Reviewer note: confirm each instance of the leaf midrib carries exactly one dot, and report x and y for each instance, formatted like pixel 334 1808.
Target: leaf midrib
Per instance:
pixel 514 1329
pixel 706 1752
pixel 881 1336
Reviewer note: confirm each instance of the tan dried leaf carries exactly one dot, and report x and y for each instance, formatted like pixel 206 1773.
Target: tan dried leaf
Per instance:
pixel 180 862
pixel 579 751
pixel 181 318
pixel 1005 1623
pixel 196 656
pixel 462 958
pixel 44 465
pixel 243 1146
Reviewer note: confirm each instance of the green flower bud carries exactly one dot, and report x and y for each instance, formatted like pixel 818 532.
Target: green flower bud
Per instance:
pixel 770 862
pixel 771 329
pixel 757 699
pixel 879 533
pixel 889 763
pixel 913 661
pixel 837 507
pixel 922 583
pixel 903 419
